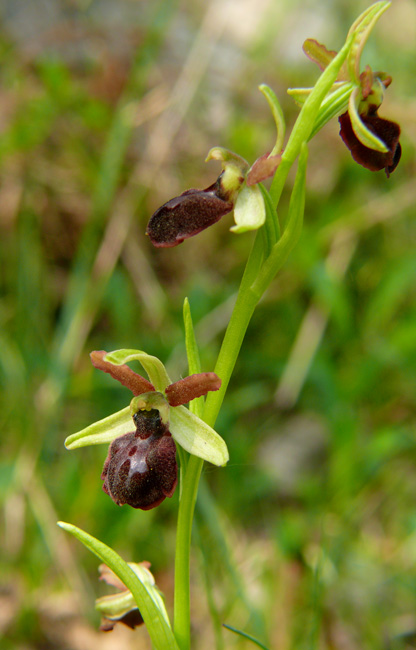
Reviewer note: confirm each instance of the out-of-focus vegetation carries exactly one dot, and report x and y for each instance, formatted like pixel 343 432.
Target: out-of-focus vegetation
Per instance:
pixel 107 109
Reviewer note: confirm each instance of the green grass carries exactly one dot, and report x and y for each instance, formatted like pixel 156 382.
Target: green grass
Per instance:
pixel 307 539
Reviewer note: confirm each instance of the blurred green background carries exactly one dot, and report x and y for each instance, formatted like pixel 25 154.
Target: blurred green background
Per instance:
pixel 307 539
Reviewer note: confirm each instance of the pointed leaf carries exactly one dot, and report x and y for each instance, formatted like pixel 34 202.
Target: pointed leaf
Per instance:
pixel 102 432
pixel 153 366
pixel 197 437
pixel 147 597
pixel 361 29
pixel 363 133
pixel 249 210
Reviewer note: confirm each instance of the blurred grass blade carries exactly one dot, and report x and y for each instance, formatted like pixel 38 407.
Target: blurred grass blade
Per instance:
pixel 246 636
pixel 360 30
pixel 146 596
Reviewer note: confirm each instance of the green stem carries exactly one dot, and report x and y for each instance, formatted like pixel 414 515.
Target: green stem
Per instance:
pixel 182 613
pixel 257 276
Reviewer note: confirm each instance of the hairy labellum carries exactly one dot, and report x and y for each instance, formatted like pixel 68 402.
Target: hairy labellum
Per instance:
pixel 386 130
pixel 140 469
pixel 186 215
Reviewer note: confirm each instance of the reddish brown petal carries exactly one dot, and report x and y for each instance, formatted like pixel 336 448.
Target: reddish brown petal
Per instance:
pixel 185 390
pixel 185 216
pixel 386 130
pixel 366 80
pixel 125 375
pixel 263 168
pixel 319 54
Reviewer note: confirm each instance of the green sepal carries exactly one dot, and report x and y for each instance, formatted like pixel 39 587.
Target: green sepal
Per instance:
pixel 360 30
pixel 117 604
pixel 300 95
pixel 278 116
pixel 152 365
pixel 365 136
pixel 146 596
pixel 234 171
pixel 228 159
pixel 249 210
pixel 102 432
pixel 197 437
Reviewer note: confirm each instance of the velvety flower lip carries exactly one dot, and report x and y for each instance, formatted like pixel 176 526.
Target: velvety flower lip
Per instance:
pixel 140 469
pixel 386 130
pixel 186 215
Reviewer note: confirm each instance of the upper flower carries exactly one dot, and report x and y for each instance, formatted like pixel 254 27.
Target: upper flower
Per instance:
pixel 372 140
pixel 140 469
pixel 194 210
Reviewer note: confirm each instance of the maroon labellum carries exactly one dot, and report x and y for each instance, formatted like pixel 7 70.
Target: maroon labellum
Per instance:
pixel 186 215
pixel 386 130
pixel 140 469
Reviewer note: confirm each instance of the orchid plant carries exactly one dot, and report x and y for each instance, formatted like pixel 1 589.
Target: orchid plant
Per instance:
pixel 156 428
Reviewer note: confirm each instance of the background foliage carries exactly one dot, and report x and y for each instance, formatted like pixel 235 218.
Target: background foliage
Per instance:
pixel 108 110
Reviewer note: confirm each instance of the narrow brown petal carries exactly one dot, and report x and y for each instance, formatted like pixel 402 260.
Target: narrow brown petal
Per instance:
pixel 125 375
pixel 263 168
pixel 185 390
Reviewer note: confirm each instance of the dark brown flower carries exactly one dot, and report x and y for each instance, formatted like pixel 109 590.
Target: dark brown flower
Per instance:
pixel 186 215
pixel 387 131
